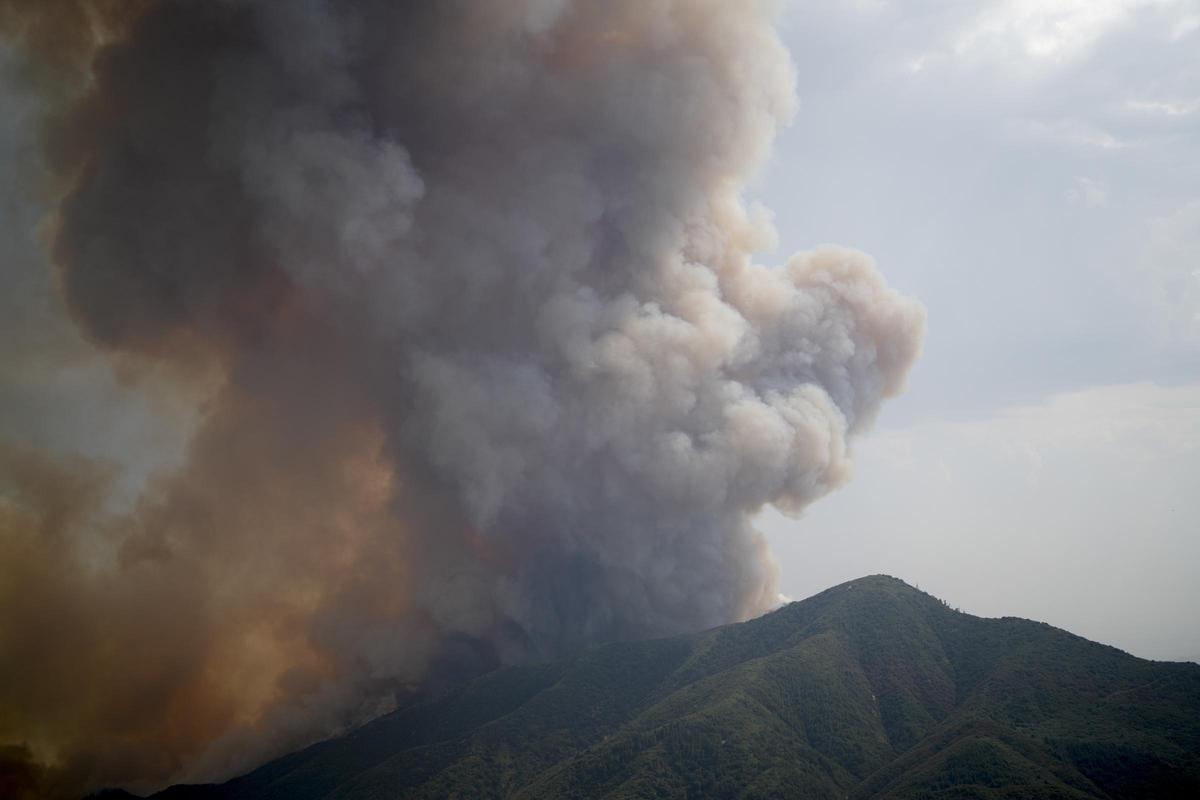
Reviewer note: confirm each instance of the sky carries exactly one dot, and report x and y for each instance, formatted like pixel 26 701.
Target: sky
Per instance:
pixel 1031 172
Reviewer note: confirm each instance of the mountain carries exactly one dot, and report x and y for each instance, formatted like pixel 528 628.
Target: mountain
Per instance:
pixel 869 689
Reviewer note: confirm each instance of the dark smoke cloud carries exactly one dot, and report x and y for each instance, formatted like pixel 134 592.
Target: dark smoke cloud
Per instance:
pixel 65 33
pixel 482 366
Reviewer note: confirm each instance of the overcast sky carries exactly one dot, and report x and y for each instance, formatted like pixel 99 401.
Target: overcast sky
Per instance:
pixel 1030 169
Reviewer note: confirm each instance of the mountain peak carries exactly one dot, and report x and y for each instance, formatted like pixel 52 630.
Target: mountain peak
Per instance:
pixel 879 581
pixel 871 688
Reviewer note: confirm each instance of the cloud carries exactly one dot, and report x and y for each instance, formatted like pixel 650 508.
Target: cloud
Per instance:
pixel 1071 133
pixel 1171 269
pixel 1168 108
pixel 1077 510
pixel 1087 192
pixel 1051 30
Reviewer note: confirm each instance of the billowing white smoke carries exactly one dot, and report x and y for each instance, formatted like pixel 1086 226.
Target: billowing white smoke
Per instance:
pixel 534 219
pixel 499 248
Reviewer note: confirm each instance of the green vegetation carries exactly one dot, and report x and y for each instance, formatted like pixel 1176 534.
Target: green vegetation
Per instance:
pixel 870 689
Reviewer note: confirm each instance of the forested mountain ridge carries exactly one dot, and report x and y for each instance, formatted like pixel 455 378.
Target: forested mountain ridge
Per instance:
pixel 869 689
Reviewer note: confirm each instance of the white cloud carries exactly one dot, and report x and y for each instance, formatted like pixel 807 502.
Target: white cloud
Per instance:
pixel 1171 267
pixel 1072 133
pixel 1080 511
pixel 1088 193
pixel 1029 38
pixel 1048 30
pixel 1166 108
pixel 1185 26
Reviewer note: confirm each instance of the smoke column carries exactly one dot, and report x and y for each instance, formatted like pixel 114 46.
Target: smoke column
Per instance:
pixel 480 369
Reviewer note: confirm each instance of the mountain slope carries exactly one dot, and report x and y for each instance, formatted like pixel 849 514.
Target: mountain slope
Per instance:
pixel 869 689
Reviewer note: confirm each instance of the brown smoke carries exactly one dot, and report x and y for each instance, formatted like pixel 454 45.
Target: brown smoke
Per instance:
pixel 461 299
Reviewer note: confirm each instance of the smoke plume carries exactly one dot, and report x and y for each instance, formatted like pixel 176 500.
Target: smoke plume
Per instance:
pixel 460 297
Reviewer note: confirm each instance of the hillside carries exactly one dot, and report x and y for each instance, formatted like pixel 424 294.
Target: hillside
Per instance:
pixel 869 689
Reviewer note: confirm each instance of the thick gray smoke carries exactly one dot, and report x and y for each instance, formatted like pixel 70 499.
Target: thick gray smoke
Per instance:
pixel 484 369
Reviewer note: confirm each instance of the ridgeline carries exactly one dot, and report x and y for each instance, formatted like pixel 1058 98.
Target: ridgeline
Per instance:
pixel 869 689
